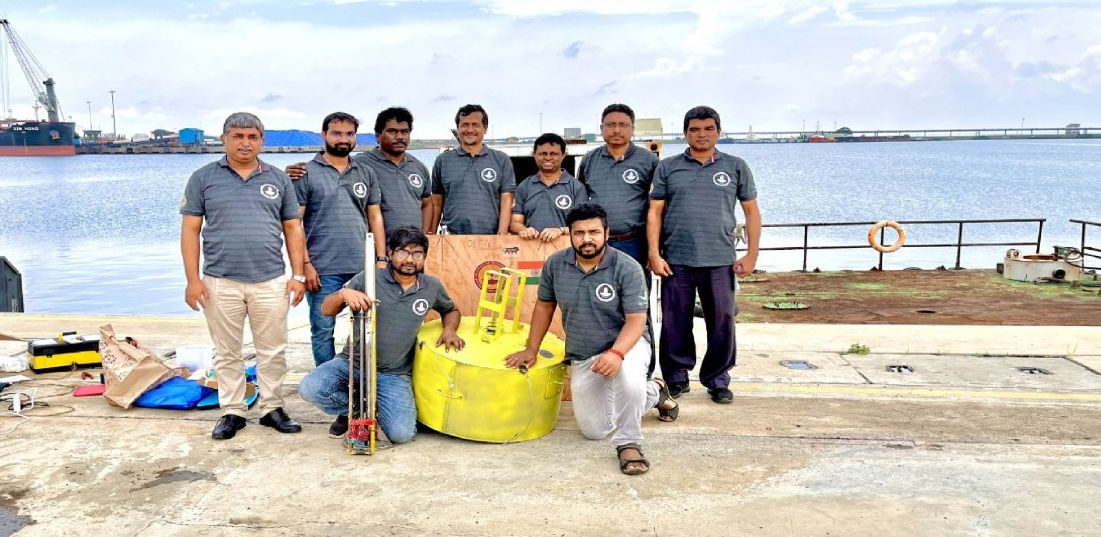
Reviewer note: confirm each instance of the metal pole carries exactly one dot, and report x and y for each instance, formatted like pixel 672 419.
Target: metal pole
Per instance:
pixel 114 127
pixel 1039 236
pixel 806 230
pixel 959 246
pixel 89 114
pixel 882 240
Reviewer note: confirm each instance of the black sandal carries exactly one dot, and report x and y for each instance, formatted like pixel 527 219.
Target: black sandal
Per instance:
pixel 624 463
pixel 664 414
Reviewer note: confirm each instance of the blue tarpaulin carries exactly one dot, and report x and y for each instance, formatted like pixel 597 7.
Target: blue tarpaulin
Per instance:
pixel 291 138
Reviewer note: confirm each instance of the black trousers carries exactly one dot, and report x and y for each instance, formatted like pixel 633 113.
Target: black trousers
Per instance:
pixel 677 352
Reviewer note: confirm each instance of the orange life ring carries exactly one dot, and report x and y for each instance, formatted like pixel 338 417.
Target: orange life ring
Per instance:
pixel 874 241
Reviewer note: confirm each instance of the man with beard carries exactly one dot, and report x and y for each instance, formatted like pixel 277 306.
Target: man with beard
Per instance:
pixel 402 179
pixel 340 199
pixel 404 294
pixel 544 199
pixel 691 238
pixel 603 299
pixel 240 211
pixel 472 186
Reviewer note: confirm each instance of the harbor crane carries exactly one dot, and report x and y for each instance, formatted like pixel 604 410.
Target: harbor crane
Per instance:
pixel 42 84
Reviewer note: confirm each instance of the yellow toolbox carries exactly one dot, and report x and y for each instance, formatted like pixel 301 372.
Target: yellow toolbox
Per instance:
pixel 68 349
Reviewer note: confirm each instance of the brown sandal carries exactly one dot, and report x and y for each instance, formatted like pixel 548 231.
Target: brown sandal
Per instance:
pixel 624 463
pixel 666 414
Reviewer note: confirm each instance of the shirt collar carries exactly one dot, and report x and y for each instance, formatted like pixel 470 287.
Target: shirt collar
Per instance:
pixel 565 178
pixel 376 154
pixel 389 276
pixel 484 151
pixel 320 159
pixel 630 151
pixel 714 156
pixel 261 167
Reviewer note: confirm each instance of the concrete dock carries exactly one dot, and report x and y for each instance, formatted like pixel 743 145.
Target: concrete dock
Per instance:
pixel 968 443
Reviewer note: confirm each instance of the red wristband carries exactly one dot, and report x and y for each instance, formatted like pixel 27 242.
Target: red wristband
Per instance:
pixel 617 353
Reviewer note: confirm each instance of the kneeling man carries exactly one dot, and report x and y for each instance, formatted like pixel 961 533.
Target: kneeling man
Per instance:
pixel 603 298
pixel 405 294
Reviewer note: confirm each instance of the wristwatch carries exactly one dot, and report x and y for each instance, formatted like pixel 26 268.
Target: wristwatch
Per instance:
pixel 299 278
pixel 381 258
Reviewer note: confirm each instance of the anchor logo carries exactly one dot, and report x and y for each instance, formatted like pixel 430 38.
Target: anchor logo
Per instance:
pixel 721 179
pixel 416 180
pixel 605 292
pixel 420 307
pixel 563 202
pixel 269 191
pixel 489 175
pixel 630 176
pixel 360 190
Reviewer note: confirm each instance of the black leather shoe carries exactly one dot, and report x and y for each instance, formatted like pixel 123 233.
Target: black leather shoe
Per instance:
pixel 280 421
pixel 677 389
pixel 227 427
pixel 723 396
pixel 339 426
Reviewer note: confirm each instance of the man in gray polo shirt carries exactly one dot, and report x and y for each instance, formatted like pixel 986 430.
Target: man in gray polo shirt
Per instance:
pixel 544 199
pixel 402 179
pixel 250 211
pixel 691 236
pixel 618 175
pixel 340 201
pixel 404 294
pixel 603 299
pixel 472 186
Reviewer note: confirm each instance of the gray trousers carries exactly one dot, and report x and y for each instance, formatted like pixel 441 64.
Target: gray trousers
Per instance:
pixel 602 405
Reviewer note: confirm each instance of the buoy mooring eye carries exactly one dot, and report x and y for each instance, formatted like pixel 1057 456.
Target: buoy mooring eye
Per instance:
pixel 873 238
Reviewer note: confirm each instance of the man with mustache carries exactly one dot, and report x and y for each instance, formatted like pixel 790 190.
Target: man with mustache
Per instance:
pixel 603 298
pixel 544 199
pixel 239 212
pixel 404 294
pixel 472 186
pixel 690 231
pixel 339 199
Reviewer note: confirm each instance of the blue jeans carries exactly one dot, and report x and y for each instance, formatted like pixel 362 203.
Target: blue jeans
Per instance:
pixel 321 326
pixel 327 388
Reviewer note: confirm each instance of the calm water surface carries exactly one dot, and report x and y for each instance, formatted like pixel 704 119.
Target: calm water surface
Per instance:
pixel 100 233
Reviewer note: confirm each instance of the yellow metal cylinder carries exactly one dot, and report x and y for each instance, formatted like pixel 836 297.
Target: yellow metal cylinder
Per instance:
pixel 471 394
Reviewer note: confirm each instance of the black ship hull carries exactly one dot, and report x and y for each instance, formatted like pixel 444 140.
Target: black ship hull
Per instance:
pixel 36 138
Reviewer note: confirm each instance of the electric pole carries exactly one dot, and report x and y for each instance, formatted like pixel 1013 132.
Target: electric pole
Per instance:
pixel 114 127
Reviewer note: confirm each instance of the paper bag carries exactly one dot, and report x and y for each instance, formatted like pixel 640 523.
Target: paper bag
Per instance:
pixel 130 369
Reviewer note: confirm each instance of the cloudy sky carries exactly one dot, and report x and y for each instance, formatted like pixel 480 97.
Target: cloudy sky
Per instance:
pixel 769 64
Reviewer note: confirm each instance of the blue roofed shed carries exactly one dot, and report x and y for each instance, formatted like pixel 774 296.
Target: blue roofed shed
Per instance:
pixel 191 136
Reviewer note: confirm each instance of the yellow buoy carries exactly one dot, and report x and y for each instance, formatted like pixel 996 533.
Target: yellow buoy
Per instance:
pixel 471 394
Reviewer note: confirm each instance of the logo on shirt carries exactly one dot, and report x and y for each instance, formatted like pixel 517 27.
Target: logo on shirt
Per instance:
pixel 721 178
pixel 605 292
pixel 630 176
pixel 420 306
pixel 360 190
pixel 269 191
pixel 563 202
pixel 489 175
pixel 416 180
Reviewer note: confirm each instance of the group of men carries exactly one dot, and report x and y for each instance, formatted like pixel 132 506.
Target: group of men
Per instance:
pixel 676 217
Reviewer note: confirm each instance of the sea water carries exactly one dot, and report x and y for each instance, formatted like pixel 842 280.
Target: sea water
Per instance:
pixel 100 233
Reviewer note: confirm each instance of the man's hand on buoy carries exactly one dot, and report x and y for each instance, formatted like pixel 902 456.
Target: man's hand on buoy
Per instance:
pixel 524 358
pixel 449 339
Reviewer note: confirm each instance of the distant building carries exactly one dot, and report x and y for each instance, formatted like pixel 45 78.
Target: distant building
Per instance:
pixel 571 132
pixel 1074 129
pixel 191 136
pixel 646 127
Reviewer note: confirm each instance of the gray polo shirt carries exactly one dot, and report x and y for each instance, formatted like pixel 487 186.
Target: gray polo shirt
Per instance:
pixel 544 206
pixel 621 187
pixel 403 186
pixel 595 303
pixel 698 226
pixel 472 186
pixel 400 316
pixel 243 229
pixel 336 214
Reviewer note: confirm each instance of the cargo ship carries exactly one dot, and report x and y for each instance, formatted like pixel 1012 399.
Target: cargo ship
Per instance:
pixel 36 138
pixel 51 138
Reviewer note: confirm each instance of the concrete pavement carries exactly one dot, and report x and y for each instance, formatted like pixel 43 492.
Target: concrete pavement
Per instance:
pixel 965 444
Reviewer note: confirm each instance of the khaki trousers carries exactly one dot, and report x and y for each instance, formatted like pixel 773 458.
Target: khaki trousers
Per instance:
pixel 265 304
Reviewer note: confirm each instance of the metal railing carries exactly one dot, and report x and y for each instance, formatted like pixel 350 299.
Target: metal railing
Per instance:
pixel 1087 251
pixel 958 245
